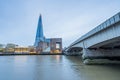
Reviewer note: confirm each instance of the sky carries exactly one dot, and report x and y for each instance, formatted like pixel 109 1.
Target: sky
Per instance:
pixel 66 19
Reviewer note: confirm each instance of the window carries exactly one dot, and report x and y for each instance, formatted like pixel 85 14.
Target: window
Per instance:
pixel 57 45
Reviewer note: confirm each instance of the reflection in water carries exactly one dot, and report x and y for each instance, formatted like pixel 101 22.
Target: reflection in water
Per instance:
pixel 20 60
pixel 106 71
pixel 54 67
pixel 57 57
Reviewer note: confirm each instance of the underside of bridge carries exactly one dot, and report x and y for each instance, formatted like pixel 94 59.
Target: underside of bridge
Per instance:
pixel 108 44
pixel 103 42
pixel 74 51
pixel 109 49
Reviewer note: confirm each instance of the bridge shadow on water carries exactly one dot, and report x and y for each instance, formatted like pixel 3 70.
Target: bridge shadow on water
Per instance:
pixel 107 70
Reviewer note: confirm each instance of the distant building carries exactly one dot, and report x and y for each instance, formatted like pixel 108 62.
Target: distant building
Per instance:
pixel 56 45
pixel 46 45
pixel 21 50
pixel 10 48
pixel 24 50
pixel 16 49
pixel 2 47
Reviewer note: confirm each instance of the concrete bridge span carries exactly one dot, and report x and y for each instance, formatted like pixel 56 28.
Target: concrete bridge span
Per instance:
pixel 101 42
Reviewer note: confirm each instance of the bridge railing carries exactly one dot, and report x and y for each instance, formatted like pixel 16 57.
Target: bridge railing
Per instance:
pixel 109 22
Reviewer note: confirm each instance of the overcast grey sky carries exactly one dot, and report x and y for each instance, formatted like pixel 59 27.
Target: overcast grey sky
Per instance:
pixel 68 19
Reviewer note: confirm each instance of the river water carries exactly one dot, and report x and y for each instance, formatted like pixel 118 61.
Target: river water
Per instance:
pixel 54 67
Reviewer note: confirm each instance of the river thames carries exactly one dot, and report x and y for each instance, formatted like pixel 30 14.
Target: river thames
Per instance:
pixel 54 67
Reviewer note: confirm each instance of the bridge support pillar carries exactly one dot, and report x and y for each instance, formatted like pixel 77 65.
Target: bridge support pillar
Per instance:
pixel 101 54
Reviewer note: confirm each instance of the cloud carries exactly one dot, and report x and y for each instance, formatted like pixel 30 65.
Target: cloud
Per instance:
pixel 68 20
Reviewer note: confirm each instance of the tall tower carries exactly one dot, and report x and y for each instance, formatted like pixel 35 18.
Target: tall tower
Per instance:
pixel 39 33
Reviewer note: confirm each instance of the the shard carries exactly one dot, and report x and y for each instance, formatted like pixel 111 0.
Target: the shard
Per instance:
pixel 39 33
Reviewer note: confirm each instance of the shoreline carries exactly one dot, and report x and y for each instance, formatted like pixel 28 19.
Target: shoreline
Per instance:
pixel 10 54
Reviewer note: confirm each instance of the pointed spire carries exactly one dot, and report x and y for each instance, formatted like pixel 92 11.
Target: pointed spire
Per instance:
pixel 40 15
pixel 39 33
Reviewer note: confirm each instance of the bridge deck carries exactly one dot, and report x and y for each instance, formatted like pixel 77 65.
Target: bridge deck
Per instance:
pixel 111 21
